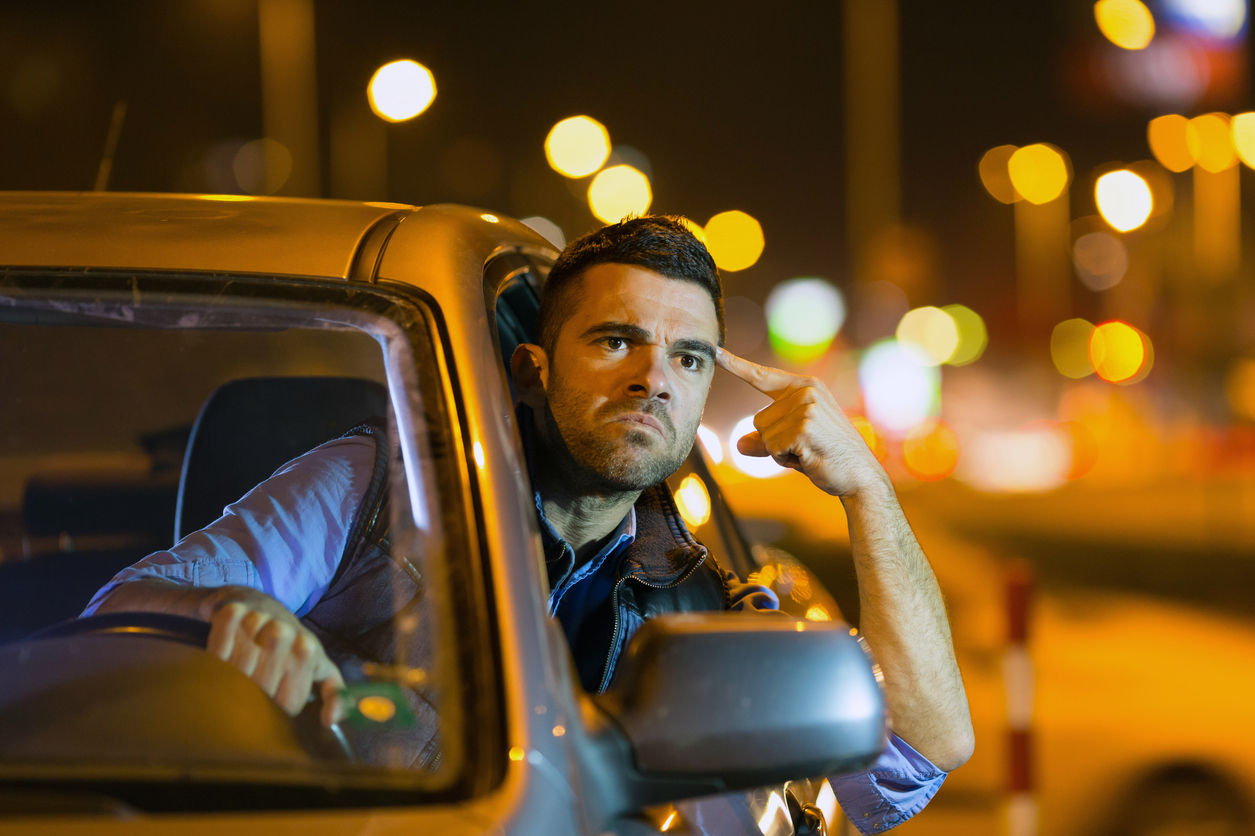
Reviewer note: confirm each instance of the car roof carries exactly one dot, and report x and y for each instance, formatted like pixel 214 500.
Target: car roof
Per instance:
pixel 214 233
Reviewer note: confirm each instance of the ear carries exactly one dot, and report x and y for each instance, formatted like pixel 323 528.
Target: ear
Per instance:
pixel 530 367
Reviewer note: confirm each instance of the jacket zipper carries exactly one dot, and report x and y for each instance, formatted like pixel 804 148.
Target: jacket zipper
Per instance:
pixel 614 602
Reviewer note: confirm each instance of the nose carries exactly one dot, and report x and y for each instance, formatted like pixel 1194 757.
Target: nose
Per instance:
pixel 648 377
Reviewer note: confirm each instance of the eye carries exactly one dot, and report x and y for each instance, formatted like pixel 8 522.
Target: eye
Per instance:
pixel 690 362
pixel 615 343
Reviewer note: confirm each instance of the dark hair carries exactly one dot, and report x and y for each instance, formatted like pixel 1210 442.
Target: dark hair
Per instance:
pixel 661 243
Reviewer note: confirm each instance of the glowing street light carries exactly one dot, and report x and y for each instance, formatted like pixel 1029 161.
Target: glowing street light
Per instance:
pixel 1039 172
pixel 734 239
pixel 577 146
pixel 1166 135
pixel 619 191
pixel 900 389
pixel 401 90
pixel 1126 23
pixel 1118 351
pixel 1243 128
pixel 973 336
pixel 1210 140
pixel 803 318
pixel 1123 199
pixel 931 330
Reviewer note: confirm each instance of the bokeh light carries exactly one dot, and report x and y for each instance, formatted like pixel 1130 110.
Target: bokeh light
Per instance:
pixel 973 336
pixel 1033 459
pixel 1069 348
pixel 932 331
pixel 547 229
pixel 693 501
pixel 262 166
pixel 995 175
pixel 1101 260
pixel 1243 130
pixel 577 146
pixel 1124 199
pixel 710 443
pixel 401 90
pixel 761 467
pixel 1084 447
pixel 1240 387
pixel 734 239
pixel 1116 351
pixel 1039 172
pixel 1126 23
pixel 1167 138
pixel 874 440
pixel 619 191
pixel 803 318
pixel 1210 140
pixel 1219 19
pixel 900 388
pixel 695 228
pixel 930 451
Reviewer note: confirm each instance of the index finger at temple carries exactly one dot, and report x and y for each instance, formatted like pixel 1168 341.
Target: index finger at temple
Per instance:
pixel 769 381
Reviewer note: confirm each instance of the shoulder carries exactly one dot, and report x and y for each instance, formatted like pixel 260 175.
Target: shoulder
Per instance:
pixel 343 456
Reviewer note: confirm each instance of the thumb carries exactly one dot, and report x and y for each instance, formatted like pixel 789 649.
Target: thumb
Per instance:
pixel 752 445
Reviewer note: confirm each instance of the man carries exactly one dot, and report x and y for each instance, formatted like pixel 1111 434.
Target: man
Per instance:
pixel 630 329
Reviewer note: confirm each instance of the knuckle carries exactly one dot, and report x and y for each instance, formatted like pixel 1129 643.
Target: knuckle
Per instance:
pixel 303 646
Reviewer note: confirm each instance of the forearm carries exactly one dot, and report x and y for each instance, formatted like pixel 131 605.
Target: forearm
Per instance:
pixel 903 619
pixel 162 596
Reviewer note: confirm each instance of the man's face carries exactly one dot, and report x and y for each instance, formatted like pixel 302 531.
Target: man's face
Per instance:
pixel 629 375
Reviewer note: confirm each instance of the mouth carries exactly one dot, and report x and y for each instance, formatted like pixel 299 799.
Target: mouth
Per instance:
pixel 641 419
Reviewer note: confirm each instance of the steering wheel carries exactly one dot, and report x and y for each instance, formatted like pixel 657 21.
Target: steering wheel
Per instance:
pixel 315 738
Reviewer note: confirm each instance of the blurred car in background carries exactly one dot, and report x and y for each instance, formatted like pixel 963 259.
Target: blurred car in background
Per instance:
pixel 1141 704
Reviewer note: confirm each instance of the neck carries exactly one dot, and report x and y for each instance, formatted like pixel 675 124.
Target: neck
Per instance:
pixel 583 517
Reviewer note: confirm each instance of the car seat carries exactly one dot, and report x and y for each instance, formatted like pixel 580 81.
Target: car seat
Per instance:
pixel 249 428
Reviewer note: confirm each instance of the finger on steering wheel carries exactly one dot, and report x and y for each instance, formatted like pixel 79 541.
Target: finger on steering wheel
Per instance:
pixel 275 639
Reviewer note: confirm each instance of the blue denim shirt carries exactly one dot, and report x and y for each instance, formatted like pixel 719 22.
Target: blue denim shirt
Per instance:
pixel 285 538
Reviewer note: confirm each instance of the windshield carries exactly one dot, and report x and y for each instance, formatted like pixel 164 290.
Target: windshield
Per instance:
pixel 170 458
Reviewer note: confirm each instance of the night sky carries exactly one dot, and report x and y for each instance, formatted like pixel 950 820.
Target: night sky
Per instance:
pixel 735 105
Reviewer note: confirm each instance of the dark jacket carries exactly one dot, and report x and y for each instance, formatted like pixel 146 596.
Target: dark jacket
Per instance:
pixel 371 617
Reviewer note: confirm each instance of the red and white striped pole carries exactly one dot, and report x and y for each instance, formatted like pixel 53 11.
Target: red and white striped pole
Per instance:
pixel 1017 680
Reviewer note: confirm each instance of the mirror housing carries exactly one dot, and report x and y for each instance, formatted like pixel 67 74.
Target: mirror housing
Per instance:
pixel 712 702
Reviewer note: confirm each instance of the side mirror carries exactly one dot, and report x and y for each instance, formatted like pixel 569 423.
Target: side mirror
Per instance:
pixel 712 702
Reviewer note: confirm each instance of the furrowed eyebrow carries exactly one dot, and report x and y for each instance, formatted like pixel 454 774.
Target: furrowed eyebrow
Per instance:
pixel 636 332
pixel 617 329
pixel 696 347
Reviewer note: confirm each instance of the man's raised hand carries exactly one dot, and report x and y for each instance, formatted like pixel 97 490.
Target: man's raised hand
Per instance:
pixel 804 429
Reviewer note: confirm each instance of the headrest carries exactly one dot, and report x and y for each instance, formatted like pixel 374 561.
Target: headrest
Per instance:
pixel 249 428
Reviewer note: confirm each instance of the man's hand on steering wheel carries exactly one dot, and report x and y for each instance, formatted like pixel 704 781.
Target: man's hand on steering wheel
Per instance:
pixel 257 635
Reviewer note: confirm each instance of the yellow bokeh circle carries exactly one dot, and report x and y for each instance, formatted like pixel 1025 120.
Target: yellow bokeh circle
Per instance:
pixel 1126 23
pixel 1039 172
pixel 619 191
pixel 1117 351
pixel 577 146
pixel 735 240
